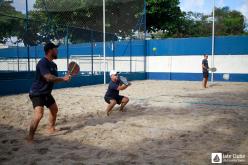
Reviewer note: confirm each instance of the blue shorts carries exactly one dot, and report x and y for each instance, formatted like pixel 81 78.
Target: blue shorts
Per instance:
pixel 205 74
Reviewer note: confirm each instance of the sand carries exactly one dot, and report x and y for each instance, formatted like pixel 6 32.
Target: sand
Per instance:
pixel 167 122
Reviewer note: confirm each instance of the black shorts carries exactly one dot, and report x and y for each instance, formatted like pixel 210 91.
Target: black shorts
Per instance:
pixel 205 74
pixel 42 100
pixel 118 99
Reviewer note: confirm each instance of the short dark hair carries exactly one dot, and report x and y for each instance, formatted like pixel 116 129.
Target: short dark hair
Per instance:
pixel 205 55
pixel 49 46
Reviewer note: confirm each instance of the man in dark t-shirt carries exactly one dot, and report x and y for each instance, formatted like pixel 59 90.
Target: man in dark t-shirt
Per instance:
pixel 205 72
pixel 41 89
pixel 112 96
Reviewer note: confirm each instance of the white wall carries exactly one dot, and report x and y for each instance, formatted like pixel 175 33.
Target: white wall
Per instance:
pixel 179 64
pixel 192 64
pixel 122 64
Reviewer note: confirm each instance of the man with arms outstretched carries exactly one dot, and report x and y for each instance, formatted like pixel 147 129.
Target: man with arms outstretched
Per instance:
pixel 41 89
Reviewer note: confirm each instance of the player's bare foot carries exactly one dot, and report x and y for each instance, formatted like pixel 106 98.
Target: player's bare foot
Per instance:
pixel 29 140
pixel 52 130
pixel 109 112
pixel 122 109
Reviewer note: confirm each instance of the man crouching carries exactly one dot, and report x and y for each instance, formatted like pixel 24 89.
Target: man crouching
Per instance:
pixel 112 96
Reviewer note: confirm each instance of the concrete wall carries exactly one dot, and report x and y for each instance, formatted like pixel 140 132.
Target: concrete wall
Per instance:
pixel 173 59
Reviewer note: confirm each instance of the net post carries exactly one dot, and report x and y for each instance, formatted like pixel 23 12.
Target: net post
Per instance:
pixel 104 44
pixel 26 29
pixel 92 52
pixel 113 46
pixel 213 42
pixel 67 44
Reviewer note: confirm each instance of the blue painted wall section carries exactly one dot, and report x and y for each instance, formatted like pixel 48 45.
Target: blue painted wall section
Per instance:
pixel 234 45
pixel 22 85
pixel 123 48
pixel 231 45
pixel 179 46
pixel 13 83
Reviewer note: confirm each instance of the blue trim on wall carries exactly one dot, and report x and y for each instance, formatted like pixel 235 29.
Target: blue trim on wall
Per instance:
pixel 234 45
pixel 8 87
pixel 122 49
pixel 234 77
pixel 17 86
pixel 16 75
pixel 179 46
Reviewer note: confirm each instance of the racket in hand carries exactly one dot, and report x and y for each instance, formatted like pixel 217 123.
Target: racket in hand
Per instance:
pixel 124 81
pixel 212 69
pixel 73 68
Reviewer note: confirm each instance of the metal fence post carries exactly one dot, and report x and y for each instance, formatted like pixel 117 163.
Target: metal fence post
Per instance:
pixel 17 51
pixel 67 45
pixel 130 55
pixel 26 30
pixel 92 52
pixel 113 49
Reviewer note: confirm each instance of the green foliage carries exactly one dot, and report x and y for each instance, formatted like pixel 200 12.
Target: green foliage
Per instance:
pixel 51 19
pixel 121 16
pixel 164 15
pixel 229 22
pixel 10 22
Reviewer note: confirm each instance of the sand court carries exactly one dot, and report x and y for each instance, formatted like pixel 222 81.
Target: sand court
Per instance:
pixel 167 122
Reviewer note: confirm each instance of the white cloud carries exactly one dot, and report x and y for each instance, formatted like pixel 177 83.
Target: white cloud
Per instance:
pixel 20 5
pixel 220 3
pixel 244 8
pixel 195 5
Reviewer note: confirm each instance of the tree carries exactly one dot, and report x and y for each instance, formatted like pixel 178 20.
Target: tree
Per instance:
pixel 195 25
pixel 84 16
pixel 11 22
pixel 229 22
pixel 164 15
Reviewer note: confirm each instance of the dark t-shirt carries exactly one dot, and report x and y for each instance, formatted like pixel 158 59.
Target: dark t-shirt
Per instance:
pixel 40 86
pixel 112 91
pixel 205 63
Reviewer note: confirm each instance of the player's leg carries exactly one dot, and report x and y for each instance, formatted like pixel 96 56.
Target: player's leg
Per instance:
pixel 38 114
pixel 110 106
pixel 53 108
pixel 52 118
pixel 124 102
pixel 206 81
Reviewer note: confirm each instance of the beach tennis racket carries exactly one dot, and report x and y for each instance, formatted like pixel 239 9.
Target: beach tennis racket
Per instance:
pixel 124 81
pixel 212 69
pixel 73 68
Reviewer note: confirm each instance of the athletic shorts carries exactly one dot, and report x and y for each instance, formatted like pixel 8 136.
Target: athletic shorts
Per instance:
pixel 118 99
pixel 42 100
pixel 205 74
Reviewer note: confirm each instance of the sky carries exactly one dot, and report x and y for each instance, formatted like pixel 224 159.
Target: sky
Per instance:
pixel 203 6
pixel 206 6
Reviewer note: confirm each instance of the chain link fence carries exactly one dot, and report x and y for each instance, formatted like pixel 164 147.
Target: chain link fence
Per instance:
pixel 77 26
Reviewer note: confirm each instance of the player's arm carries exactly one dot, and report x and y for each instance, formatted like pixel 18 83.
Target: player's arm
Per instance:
pixel 122 87
pixel 203 67
pixel 45 72
pixel 51 78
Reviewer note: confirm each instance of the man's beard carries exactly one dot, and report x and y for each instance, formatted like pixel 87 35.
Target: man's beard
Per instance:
pixel 54 56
